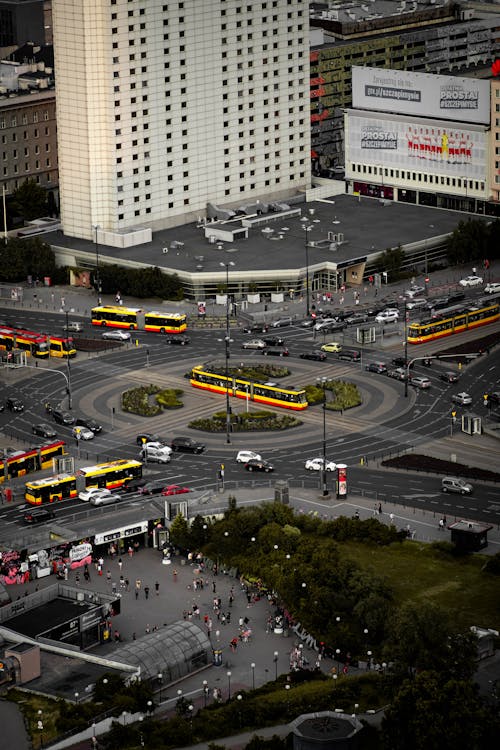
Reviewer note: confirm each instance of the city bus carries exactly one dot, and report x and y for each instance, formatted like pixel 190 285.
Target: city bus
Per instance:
pixel 24 462
pixel 211 378
pixel 62 346
pixel 33 344
pixel 112 475
pixel 50 489
pixel 36 344
pixel 453 320
pixel 135 319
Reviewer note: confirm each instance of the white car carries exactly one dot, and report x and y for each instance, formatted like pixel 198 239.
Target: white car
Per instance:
pixel 254 344
pixel 116 335
pixel 492 287
pixel 324 323
pixel 414 291
pixel 244 456
pixel 107 499
pixel 416 303
pixel 387 316
pixel 471 281
pixel 316 464
pixel 464 399
pixel 156 453
pixel 93 492
pixel 82 433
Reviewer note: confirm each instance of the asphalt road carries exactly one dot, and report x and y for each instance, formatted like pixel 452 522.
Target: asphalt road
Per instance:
pixel 386 423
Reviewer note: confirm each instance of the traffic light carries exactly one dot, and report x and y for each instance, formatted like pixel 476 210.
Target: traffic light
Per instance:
pixel 454 415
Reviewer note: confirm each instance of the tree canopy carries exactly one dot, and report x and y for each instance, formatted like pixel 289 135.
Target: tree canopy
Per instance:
pixel 30 200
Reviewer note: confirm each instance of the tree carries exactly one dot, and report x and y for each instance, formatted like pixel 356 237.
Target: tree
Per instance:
pixel 391 261
pixel 179 533
pixel 420 637
pixel 469 242
pixel 429 713
pixel 30 200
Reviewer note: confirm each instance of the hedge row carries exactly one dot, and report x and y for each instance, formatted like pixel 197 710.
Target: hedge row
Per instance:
pixel 137 400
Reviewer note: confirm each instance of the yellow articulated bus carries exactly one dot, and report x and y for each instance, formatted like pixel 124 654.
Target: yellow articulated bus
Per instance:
pixel 135 319
pixel 271 394
pixel 112 475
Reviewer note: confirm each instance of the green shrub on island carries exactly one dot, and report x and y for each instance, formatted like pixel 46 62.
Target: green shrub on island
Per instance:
pixel 138 400
pixel 342 395
pixel 246 422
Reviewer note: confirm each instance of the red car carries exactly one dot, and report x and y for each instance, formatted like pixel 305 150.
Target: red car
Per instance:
pixel 174 489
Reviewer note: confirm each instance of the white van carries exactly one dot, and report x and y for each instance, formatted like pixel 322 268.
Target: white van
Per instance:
pixel 454 484
pixel 156 453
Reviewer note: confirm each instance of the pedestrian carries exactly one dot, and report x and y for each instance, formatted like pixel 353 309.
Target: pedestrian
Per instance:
pixel 174 575
pixel 214 587
pixel 391 517
pixel 231 599
pixel 77 579
pixel 148 629
pixel 113 587
pixel 130 551
pixel 63 302
pixel 127 584
pixel 120 563
pixel 134 637
pixel 108 576
pixel 137 587
pixel 380 509
pixel 157 588
pixel 117 636
pixel 122 582
pixel 146 592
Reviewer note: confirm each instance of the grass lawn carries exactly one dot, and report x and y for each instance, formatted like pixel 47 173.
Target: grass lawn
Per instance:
pixel 416 571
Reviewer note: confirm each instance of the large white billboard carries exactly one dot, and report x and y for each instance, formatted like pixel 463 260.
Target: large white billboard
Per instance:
pixel 421 94
pixel 406 143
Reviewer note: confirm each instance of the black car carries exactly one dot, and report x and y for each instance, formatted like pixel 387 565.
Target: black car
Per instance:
pixel 449 377
pixel 135 485
pixel 187 445
pixel 177 338
pixel 44 430
pixel 147 437
pixel 256 328
pixel 343 314
pixel 256 464
pixel 456 297
pixel 356 319
pixel 38 515
pixel 152 488
pixel 63 417
pixel 352 355
pixel 273 341
pixel 379 367
pixel 317 355
pixel 89 423
pixel 14 404
pixel 401 362
pixel 281 352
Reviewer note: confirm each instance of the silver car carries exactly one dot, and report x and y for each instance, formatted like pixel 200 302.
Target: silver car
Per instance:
pixel 116 335
pixel 254 344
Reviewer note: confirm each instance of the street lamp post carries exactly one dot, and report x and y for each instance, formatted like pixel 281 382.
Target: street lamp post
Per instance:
pixel 322 382
pixel 275 659
pixel 40 725
pixel 96 228
pixel 229 685
pixel 205 692
pixel 406 350
pixel 227 341
pixel 307 228
pixel 70 400
pixel 160 680
pixel 252 667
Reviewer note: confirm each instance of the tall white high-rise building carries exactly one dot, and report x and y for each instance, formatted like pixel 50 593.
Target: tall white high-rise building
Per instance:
pixel 163 106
